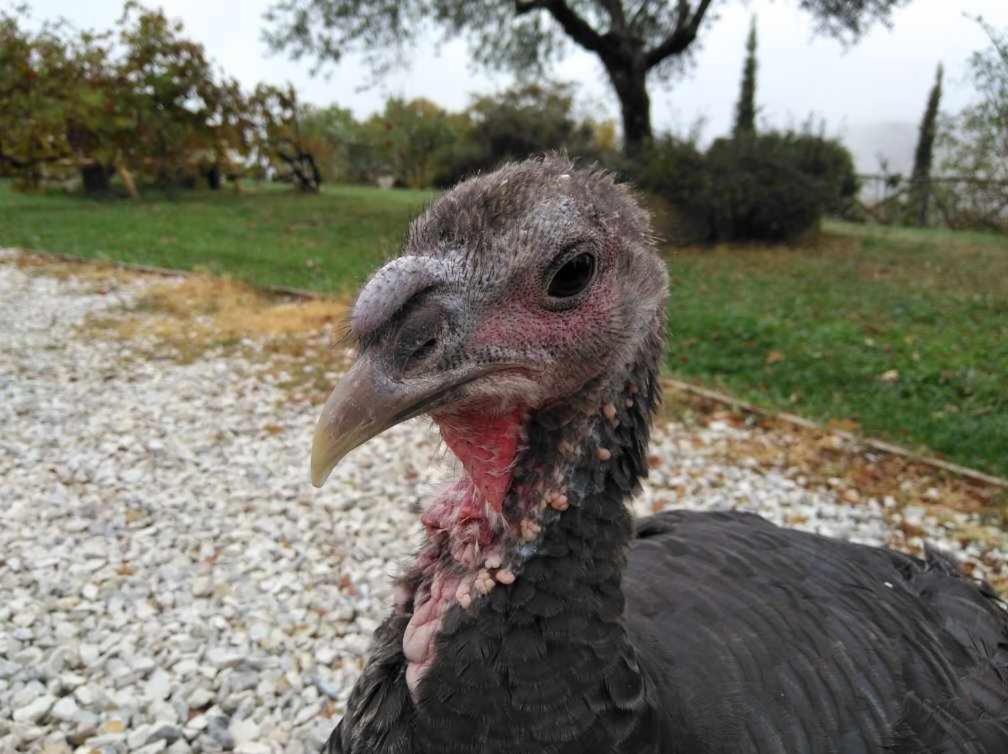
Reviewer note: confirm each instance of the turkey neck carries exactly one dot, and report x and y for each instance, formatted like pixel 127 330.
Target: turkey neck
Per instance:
pixel 548 647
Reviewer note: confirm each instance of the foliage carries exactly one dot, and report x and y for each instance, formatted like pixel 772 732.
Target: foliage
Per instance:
pixel 848 19
pixel 975 144
pixel 772 186
pixel 522 121
pixel 417 144
pixel 920 190
pixel 54 97
pixel 758 191
pixel 830 165
pixel 675 170
pixel 337 138
pixel 411 139
pixel 281 143
pixel 147 102
pixel 745 109
pixel 185 121
pixel 631 40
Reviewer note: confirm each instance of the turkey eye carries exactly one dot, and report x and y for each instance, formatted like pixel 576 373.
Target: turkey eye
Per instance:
pixel 573 277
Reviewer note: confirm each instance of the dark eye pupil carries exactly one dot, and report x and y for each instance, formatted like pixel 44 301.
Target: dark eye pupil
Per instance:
pixel 573 277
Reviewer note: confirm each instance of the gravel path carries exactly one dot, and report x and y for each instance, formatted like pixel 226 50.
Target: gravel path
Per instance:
pixel 173 583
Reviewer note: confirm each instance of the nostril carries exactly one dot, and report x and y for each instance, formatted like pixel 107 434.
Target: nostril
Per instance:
pixel 422 334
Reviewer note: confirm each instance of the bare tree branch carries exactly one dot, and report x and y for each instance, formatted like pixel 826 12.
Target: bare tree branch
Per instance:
pixel 638 12
pixel 573 25
pixel 1000 48
pixel 685 31
pixel 616 15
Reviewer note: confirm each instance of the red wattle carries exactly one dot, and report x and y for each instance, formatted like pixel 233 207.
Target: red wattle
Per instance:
pixel 486 445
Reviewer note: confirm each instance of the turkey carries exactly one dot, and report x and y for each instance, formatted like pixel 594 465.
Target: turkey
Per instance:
pixel 525 316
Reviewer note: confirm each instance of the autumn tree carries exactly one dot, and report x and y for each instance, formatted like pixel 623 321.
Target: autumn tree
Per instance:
pixel 920 188
pixel 745 109
pixel 186 121
pixel 411 137
pixel 634 40
pixel 55 101
pixel 145 102
pixel 344 154
pixel 281 142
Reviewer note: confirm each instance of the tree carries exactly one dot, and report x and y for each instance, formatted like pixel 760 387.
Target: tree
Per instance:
pixel 920 192
pixel 975 142
pixel 185 121
pixel 525 120
pixel 745 110
pixel 53 95
pixel 632 40
pixel 280 139
pixel 341 143
pixel 409 138
pixel 72 101
pixel 520 121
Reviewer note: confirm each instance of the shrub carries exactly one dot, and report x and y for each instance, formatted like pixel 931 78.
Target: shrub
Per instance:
pixel 674 171
pixel 757 190
pixel 831 165
pixel 767 187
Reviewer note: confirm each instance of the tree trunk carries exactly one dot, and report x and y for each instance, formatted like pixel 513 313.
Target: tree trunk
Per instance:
pixel 631 89
pixel 95 178
pixel 127 180
pixel 213 177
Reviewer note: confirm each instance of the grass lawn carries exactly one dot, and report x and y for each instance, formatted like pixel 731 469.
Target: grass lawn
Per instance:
pixel 328 242
pixel 901 331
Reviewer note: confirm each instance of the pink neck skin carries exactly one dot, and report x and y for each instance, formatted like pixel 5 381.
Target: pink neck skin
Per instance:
pixel 465 523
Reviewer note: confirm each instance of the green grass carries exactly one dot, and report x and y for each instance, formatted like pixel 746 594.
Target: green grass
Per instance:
pixel 809 329
pixel 812 330
pixel 328 242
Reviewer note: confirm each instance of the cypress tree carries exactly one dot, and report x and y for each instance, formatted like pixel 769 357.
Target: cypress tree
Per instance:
pixel 745 110
pixel 924 154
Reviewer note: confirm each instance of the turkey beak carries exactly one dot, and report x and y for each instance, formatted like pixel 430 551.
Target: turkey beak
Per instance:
pixel 366 402
pixel 363 405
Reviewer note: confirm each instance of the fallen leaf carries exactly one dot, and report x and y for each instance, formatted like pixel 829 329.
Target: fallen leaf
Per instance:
pixel 774 357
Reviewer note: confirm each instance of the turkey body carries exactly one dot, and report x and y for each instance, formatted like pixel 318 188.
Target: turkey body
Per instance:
pixel 773 640
pixel 737 636
pixel 526 317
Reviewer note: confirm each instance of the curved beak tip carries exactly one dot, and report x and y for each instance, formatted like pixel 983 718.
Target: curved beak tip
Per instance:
pixel 318 477
pixel 324 456
pixel 348 420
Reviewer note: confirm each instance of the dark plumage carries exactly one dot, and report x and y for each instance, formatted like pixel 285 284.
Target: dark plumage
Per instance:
pixel 538 618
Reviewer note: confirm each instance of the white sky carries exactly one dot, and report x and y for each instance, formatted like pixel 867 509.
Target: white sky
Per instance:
pixel 885 78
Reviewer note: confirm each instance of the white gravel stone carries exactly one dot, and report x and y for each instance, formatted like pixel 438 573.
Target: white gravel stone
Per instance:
pixel 200 698
pixel 159 685
pixel 34 710
pixel 163 550
pixel 65 710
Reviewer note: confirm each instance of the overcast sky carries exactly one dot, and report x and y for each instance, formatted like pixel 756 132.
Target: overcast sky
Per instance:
pixel 883 79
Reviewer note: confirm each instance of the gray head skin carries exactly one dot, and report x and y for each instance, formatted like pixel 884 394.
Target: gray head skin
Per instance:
pixel 463 320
